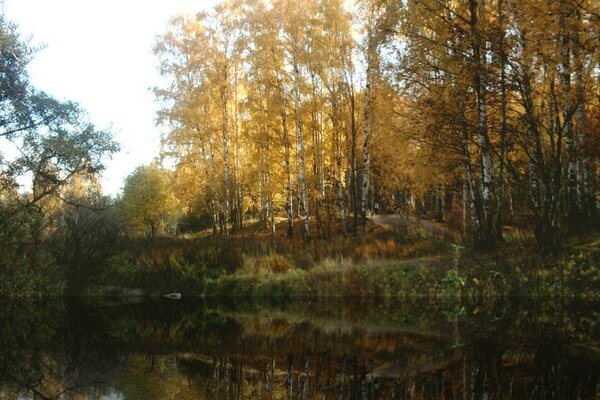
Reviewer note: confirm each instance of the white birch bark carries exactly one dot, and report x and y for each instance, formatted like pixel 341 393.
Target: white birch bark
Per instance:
pixel 364 197
pixel 567 114
pixel 226 168
pixel 207 160
pixel 587 196
pixel 338 163
pixel 300 151
pixel 288 170
pixel 485 157
pixel 215 201
pixel 470 186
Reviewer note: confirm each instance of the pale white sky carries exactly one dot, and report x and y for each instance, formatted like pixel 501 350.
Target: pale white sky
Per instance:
pixel 99 53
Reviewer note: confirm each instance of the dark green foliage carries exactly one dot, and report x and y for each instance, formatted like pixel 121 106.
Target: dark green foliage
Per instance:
pixel 85 237
pixel 52 143
pixel 193 222
pixel 163 265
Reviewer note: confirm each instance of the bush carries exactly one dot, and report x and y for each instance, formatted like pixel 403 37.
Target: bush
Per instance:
pixel 84 238
pixel 271 263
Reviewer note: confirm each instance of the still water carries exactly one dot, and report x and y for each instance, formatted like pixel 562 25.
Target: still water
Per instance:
pixel 325 349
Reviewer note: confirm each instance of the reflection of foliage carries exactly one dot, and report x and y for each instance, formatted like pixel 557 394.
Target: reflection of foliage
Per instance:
pixel 67 350
pixel 164 349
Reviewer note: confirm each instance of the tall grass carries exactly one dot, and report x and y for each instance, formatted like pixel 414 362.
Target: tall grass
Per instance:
pixel 378 264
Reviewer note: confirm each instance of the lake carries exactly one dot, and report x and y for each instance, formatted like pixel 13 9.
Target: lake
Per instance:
pixel 310 349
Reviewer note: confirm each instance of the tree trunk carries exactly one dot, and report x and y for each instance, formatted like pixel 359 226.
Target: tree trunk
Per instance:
pixel 354 177
pixel 544 188
pixel 317 158
pixel 465 201
pixel 573 210
pixel 587 196
pixel 207 178
pixel 238 187
pixel 470 186
pixel 215 201
pixel 288 174
pixel 485 157
pixel 226 168
pixel 269 193
pixel 351 139
pixel 338 163
pixel 441 202
pixel 366 136
pixel 300 150
pixel 503 123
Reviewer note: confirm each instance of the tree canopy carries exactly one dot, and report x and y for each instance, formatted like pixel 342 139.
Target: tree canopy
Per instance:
pixel 45 146
pixel 482 113
pixel 148 202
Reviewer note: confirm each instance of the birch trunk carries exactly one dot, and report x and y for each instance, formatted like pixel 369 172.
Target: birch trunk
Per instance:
pixel 534 179
pixel 470 186
pixel 573 212
pixel 587 196
pixel 227 172
pixel 269 193
pixel 465 200
pixel 266 193
pixel 354 173
pixel 288 173
pixel 366 137
pixel 317 157
pixel 209 192
pixel 544 178
pixel 351 138
pixel 238 186
pixel 503 124
pixel 215 202
pixel 485 157
pixel 300 150
pixel 338 163
pixel 441 202
pixel 262 178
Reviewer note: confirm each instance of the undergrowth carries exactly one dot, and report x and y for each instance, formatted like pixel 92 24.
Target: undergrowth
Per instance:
pixel 380 264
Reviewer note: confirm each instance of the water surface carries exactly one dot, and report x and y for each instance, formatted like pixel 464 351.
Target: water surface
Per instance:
pixel 320 349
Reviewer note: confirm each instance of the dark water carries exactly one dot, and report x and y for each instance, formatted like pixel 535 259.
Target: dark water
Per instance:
pixel 326 349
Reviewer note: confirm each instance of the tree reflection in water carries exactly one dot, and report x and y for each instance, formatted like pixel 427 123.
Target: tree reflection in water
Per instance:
pixel 303 350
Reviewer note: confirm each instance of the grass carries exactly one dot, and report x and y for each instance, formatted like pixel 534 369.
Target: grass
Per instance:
pixel 378 278
pixel 508 273
pixel 381 263
pixel 186 264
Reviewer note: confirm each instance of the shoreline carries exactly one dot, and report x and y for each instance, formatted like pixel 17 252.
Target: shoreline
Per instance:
pixel 572 274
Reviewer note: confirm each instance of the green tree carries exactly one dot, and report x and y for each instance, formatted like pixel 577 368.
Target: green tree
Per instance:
pixel 53 140
pixel 44 145
pixel 148 201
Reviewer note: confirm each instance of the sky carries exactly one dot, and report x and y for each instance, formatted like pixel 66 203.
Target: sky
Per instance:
pixel 99 54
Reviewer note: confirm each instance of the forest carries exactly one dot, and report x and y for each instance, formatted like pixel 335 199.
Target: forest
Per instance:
pixel 484 114
pixel 421 146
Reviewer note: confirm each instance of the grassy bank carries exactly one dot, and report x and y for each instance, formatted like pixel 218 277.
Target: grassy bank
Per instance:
pixel 573 274
pixel 379 264
pixel 188 264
